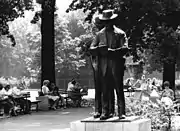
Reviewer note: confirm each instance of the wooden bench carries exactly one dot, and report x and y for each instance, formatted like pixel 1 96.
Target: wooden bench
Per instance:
pixel 33 102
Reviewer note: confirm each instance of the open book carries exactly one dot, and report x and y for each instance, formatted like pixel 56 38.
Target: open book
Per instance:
pixel 99 50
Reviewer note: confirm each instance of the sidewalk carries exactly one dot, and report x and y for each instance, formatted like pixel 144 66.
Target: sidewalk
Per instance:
pixel 45 121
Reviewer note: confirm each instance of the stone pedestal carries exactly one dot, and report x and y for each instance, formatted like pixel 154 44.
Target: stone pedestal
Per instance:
pixel 113 124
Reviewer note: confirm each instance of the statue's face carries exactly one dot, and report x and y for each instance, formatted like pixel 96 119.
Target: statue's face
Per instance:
pixel 109 24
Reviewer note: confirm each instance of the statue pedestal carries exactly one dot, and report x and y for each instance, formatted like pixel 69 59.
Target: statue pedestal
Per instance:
pixel 112 124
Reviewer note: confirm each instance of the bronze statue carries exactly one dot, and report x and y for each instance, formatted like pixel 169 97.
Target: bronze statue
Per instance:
pixel 109 47
pixel 94 59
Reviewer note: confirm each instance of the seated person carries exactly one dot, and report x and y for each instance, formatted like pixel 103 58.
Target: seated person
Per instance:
pixel 25 104
pixel 128 84
pixel 156 84
pixel 73 86
pixel 8 92
pixel 55 92
pixel 46 92
pixel 5 102
pixel 167 95
pixel 74 92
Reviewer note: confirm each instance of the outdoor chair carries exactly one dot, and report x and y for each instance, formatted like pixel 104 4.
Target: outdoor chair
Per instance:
pixel 76 96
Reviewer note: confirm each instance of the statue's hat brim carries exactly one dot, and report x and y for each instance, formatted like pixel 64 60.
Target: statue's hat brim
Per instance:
pixel 101 17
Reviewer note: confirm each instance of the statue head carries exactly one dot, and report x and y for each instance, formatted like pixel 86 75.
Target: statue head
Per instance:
pixel 108 17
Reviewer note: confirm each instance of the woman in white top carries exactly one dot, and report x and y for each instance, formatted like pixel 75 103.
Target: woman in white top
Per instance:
pixel 167 95
pixel 46 92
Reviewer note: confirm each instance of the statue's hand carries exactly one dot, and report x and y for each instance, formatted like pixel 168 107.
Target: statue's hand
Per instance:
pixel 122 51
pixel 111 50
pixel 103 50
pixel 93 48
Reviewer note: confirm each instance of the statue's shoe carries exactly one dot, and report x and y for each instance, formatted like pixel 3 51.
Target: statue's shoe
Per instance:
pixel 122 116
pixel 97 115
pixel 104 117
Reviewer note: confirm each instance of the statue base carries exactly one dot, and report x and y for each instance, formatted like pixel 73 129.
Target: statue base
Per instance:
pixel 112 124
pixel 113 119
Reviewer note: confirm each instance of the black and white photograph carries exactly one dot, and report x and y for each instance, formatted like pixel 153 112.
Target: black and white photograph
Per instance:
pixel 89 65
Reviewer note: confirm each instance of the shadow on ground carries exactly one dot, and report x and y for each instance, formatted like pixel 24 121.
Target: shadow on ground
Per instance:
pixel 45 121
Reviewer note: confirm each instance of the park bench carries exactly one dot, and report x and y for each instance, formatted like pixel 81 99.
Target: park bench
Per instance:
pixel 33 102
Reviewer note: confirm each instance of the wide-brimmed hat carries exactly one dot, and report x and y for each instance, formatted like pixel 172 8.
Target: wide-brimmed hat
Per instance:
pixel 107 15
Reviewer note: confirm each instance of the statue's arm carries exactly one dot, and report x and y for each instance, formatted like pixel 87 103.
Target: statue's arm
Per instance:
pixel 123 48
pixel 123 41
pixel 95 42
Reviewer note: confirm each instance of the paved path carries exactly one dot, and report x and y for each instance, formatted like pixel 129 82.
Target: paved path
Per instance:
pixel 45 121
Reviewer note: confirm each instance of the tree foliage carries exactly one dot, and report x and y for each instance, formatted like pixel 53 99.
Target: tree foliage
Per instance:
pixel 67 57
pixel 21 60
pixel 9 11
pixel 150 24
pixel 25 58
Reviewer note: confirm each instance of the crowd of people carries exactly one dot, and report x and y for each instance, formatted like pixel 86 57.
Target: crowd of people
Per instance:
pixel 74 92
pixel 152 88
pixel 13 99
pixel 11 96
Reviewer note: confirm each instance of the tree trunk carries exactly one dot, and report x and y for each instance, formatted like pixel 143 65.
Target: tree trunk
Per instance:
pixel 47 48
pixel 169 74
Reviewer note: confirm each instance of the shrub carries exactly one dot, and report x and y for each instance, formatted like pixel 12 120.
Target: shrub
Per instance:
pixel 159 114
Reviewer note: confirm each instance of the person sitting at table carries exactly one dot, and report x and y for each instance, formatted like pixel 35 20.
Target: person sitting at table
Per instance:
pixel 55 92
pixel 25 104
pixel 5 103
pixel 167 95
pixel 9 92
pixel 46 92
pixel 74 92
pixel 129 84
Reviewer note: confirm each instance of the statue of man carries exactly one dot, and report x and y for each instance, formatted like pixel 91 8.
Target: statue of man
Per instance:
pixel 94 59
pixel 110 44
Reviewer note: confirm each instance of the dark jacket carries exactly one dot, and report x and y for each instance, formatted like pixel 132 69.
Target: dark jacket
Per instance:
pixel 114 40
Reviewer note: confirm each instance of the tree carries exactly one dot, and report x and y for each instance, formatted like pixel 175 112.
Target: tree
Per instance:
pixel 66 51
pixel 65 57
pixel 142 20
pixel 47 45
pixel 21 60
pixel 75 23
pixel 9 11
